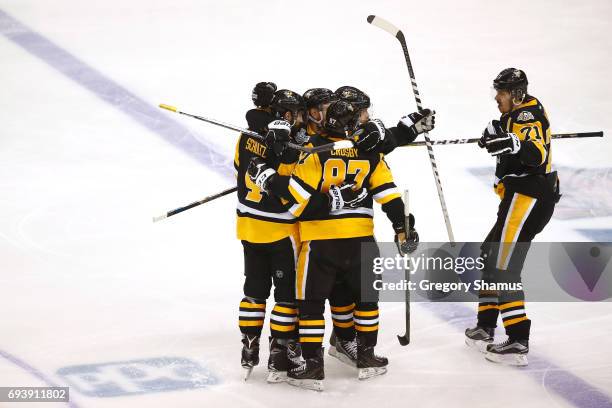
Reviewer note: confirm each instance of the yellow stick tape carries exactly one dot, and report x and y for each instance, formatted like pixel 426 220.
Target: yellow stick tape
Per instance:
pixel 167 107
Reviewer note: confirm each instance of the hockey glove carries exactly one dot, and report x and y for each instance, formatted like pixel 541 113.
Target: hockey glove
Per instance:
pixel 419 122
pixel 278 136
pixel 260 173
pixel 263 93
pixel 344 196
pixel 406 243
pixel 301 137
pixel 370 135
pixel 497 141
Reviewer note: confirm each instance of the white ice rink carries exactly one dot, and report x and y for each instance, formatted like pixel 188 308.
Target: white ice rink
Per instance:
pixel 128 313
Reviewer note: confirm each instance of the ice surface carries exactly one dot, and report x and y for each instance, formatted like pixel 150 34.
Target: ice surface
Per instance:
pixel 86 279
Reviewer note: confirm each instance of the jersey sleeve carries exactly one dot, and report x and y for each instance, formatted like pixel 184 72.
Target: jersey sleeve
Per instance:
pixel 381 184
pixel 529 129
pixel 304 183
pixel 237 156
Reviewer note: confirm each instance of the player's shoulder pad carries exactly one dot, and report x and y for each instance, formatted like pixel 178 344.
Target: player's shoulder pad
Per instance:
pixel 258 119
pixel 531 112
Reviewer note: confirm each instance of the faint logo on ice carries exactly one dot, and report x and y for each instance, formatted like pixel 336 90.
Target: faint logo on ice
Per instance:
pixel 583 269
pixel 587 192
pixel 137 377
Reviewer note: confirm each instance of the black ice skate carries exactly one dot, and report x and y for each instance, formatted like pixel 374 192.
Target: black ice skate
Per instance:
pixel 343 350
pixel 250 354
pixel 479 337
pixel 308 373
pixel 368 363
pixel 510 352
pixel 278 361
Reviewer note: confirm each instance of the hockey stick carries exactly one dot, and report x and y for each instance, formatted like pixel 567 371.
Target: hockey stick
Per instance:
pixel 194 204
pixel 475 140
pixel 342 144
pixel 394 31
pixel 405 339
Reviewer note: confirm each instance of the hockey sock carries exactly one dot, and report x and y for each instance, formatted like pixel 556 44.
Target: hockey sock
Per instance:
pixel 251 316
pixel 488 309
pixel 312 329
pixel 514 317
pixel 366 322
pixel 283 321
pixel 344 326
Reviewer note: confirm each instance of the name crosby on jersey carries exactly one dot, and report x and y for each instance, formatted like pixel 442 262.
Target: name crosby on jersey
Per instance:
pixel 256 147
pixel 346 152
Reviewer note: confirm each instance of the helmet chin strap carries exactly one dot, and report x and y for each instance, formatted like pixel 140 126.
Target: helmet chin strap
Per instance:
pixel 319 122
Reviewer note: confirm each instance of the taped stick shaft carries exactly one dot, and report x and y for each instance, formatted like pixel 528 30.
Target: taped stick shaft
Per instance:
pixel 476 139
pixel 195 204
pixel 393 30
pixel 342 144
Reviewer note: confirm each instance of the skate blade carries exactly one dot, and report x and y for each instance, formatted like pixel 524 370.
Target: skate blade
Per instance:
pixel 275 377
pixel 519 360
pixel 479 345
pixel 247 372
pixel 314 385
pixel 342 357
pixel 365 373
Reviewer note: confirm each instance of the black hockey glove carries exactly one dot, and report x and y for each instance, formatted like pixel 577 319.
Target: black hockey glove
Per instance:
pixel 344 196
pixel 406 243
pixel 260 173
pixel 369 136
pixel 263 93
pixel 497 141
pixel 419 122
pixel 278 136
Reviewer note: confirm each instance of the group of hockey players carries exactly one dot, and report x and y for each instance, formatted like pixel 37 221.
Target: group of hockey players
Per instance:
pixel 302 219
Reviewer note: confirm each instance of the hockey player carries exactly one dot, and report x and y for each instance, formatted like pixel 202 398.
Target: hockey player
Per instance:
pixel 529 189
pixel 373 136
pixel 343 343
pixel 332 232
pixel 267 230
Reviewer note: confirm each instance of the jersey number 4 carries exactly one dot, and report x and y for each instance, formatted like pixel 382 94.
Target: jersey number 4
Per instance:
pixel 254 193
pixel 336 170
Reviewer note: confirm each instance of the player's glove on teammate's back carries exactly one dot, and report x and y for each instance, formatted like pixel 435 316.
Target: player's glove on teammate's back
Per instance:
pixel 497 141
pixel 406 242
pixel 369 136
pixel 260 173
pixel 344 196
pixel 278 136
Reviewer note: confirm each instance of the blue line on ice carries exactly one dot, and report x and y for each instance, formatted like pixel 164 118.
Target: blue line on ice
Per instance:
pixel 109 91
pixel 552 377
pixel 31 370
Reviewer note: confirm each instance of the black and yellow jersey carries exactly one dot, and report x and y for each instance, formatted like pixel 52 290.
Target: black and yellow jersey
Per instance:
pixel 261 217
pixel 529 122
pixel 315 173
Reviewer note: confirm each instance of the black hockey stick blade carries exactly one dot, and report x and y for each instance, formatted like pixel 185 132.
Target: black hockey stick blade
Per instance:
pixel 403 340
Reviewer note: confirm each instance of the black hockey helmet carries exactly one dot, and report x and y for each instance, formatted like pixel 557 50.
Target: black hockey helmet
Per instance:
pixel 287 101
pixel 317 96
pixel 342 117
pixel 358 98
pixel 513 80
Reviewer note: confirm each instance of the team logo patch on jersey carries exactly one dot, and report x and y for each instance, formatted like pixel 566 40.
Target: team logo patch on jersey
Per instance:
pixel 525 116
pixel 279 274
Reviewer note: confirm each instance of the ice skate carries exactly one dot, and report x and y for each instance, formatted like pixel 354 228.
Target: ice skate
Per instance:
pixel 250 354
pixel 479 337
pixel 308 373
pixel 343 350
pixel 510 352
